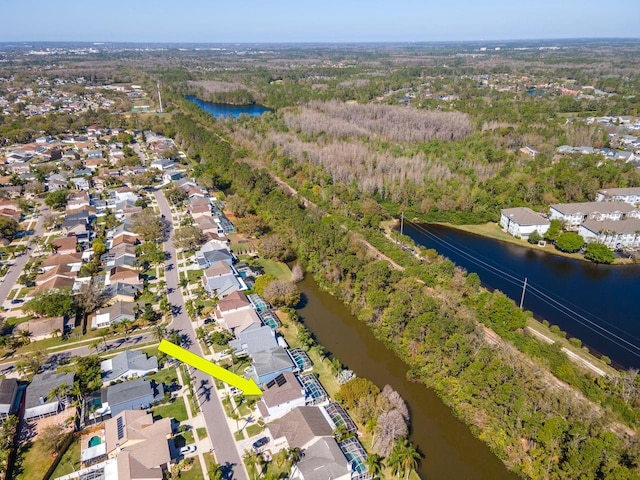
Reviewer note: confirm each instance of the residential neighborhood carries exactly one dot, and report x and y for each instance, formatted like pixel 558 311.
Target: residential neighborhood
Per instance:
pixel 98 280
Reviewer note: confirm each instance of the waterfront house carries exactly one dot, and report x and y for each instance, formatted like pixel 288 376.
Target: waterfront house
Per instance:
pixel 322 459
pixel 220 279
pixel 522 222
pixel 299 428
pixel 281 395
pixel 573 214
pixel 268 364
pixel 613 234
pixel 256 338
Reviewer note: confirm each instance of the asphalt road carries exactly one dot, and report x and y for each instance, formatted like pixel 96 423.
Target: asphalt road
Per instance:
pixel 16 269
pixel 54 359
pixel 221 437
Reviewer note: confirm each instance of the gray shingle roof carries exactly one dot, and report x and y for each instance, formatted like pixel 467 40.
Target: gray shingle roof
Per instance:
pixel 129 360
pixel 300 426
pixel 43 383
pixel 131 390
pixel 255 339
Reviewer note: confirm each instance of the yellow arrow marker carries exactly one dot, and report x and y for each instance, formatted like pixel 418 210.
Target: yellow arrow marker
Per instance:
pixel 248 387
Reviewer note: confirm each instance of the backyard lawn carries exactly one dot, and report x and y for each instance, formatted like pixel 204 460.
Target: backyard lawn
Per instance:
pixel 70 461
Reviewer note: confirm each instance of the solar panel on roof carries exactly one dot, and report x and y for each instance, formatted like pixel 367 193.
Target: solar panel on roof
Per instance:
pixel 120 427
pixel 280 380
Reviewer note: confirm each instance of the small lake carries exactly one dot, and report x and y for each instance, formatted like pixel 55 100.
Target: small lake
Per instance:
pixel 219 110
pixel 596 303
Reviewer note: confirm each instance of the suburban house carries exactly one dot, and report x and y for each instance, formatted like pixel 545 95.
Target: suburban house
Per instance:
pixel 281 395
pixel 126 365
pixel 61 271
pixel 239 321
pixel 573 214
pixel 124 275
pixel 300 428
pixel 214 251
pixel 120 292
pixel 123 255
pixel 54 283
pixel 119 311
pixel 132 395
pixel 208 225
pixel 522 222
pixel 612 233
pixel 39 402
pixel 139 445
pixel 200 211
pixel 65 245
pixel 220 279
pixel 256 338
pixel 322 459
pixel 41 328
pixel 627 195
pixel 268 364
pixel 74 260
pixel 163 164
pixel 8 397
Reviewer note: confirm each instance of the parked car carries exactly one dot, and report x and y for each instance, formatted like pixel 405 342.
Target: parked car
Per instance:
pixel 261 442
pixel 187 449
pixel 16 301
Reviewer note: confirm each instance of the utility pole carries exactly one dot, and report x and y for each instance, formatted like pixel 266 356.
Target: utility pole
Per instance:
pixel 524 289
pixel 401 223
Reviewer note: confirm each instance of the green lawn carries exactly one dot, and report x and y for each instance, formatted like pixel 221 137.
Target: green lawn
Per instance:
pixel 194 473
pixel 32 461
pixel 175 409
pixel 254 429
pixel 70 461
pixel 201 432
pixel 166 376
pixel 277 269
pixel 239 435
pixel 194 276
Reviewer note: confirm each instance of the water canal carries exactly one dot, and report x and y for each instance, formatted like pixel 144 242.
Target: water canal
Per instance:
pixel 595 303
pixel 450 450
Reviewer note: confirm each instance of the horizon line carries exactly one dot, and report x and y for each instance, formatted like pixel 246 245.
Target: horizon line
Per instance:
pixel 316 42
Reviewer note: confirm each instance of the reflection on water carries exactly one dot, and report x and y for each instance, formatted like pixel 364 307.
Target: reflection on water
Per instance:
pixel 596 303
pixel 451 451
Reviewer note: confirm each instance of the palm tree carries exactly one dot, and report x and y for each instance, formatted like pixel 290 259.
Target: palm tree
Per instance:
pixel 375 465
pixel 293 456
pixel 24 336
pixel 159 332
pixel 58 392
pixel 215 472
pixel 125 326
pixel 403 458
pixel 95 344
pixel 251 460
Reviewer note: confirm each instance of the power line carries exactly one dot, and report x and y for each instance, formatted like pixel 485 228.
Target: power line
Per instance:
pixel 558 303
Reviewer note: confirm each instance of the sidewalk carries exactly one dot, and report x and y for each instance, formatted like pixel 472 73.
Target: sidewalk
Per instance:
pixel 202 445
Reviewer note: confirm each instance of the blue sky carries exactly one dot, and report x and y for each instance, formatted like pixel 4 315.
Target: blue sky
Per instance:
pixel 320 21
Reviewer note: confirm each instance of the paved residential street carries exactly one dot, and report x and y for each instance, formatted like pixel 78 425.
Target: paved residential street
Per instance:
pixel 222 439
pixel 16 270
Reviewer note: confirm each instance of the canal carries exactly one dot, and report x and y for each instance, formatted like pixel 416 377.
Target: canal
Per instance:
pixel 450 450
pixel 596 303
